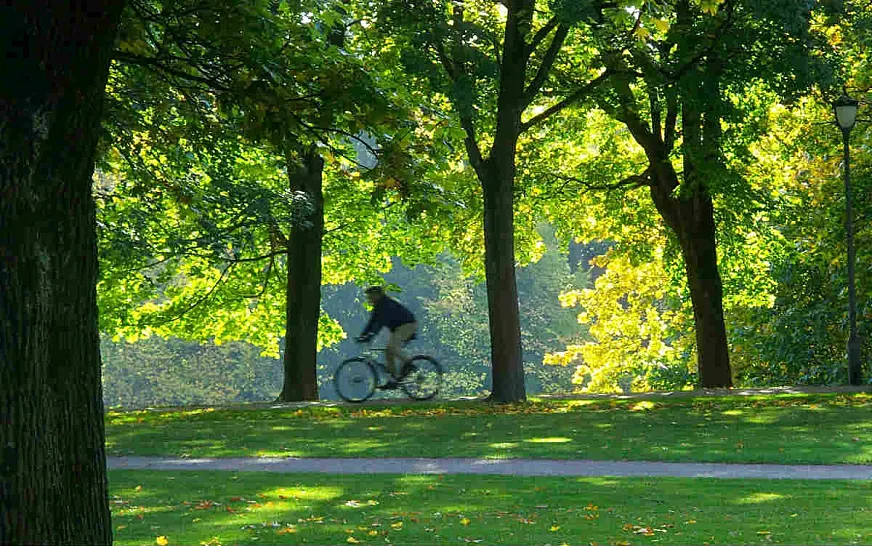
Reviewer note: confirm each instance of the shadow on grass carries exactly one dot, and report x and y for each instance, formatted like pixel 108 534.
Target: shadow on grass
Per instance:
pixel 255 508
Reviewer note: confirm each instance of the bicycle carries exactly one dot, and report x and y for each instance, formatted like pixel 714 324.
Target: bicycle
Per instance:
pixel 357 378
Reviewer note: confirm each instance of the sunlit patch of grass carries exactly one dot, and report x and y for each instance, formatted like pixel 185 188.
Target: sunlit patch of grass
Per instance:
pixel 775 429
pixel 262 508
pixel 757 498
pixel 551 440
pixel 644 405
pixel 310 493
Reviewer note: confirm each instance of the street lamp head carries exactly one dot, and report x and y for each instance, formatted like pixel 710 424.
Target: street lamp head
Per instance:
pixel 845 109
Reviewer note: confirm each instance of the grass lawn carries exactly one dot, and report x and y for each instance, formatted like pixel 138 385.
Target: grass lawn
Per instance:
pixel 256 508
pixel 784 429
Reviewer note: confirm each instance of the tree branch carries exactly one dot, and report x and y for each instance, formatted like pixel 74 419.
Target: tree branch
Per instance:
pixel 261 258
pixel 577 96
pixel 199 301
pixel 158 66
pixel 449 67
pixel 540 36
pixel 547 63
pixel 471 143
pixel 671 118
pixel 269 270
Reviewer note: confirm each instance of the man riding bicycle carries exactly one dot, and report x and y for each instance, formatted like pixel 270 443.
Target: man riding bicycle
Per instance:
pixel 388 312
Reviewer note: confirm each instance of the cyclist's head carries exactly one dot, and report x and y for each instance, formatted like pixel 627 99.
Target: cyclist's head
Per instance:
pixel 374 294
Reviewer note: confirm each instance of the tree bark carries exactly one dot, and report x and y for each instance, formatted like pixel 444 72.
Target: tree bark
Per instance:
pixel 502 291
pixel 692 220
pixel 497 177
pixel 304 283
pixel 52 473
pixel 699 249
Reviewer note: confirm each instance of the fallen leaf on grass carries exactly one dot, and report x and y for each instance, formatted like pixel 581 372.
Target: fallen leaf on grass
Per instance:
pixel 352 540
pixel 162 541
pixel 465 521
pixel 397 525
pixel 287 530
pixel 554 528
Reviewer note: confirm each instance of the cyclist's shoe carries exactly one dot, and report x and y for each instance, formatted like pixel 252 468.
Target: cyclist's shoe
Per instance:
pixel 389 386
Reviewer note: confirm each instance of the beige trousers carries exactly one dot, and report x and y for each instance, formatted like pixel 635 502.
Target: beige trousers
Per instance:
pixel 394 350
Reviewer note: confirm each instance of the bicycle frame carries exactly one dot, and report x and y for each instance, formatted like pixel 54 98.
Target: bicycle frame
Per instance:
pixel 371 355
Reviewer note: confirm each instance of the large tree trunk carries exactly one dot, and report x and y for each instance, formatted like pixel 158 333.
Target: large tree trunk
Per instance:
pixel 502 291
pixel 53 482
pixel 497 177
pixel 699 250
pixel 692 220
pixel 304 283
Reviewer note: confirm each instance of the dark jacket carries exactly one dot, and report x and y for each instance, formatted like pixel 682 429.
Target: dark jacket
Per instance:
pixel 387 313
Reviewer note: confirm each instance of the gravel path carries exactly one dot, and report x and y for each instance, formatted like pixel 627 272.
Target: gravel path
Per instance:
pixel 508 467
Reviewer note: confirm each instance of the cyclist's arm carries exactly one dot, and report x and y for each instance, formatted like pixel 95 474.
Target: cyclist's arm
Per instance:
pixel 374 324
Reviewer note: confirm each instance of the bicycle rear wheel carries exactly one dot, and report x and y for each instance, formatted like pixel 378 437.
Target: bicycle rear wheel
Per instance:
pixel 423 382
pixel 355 380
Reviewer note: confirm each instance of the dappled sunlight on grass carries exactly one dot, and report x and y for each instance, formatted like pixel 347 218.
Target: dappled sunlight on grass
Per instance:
pixel 262 508
pixel 742 429
pixel 757 498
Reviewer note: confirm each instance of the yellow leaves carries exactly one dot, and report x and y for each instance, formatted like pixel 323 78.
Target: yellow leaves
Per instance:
pixel 352 540
pixel 554 528
pixel 642 33
pixel 373 533
pixel 464 521
pixel 709 6
pixel 662 25
pixel 397 525
pixel 138 488
pixel 162 541
pixel 287 530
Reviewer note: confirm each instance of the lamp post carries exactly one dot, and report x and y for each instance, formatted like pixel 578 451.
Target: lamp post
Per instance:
pixel 845 109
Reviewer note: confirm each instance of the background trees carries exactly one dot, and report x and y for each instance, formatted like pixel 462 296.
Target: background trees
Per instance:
pixel 261 130
pixel 648 125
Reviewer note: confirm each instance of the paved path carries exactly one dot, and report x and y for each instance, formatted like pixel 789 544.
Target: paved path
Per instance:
pixel 512 467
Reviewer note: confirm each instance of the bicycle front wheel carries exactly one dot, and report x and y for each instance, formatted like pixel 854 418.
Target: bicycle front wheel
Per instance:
pixel 424 379
pixel 355 380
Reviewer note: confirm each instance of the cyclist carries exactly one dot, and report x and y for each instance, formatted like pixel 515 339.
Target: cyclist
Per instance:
pixel 388 312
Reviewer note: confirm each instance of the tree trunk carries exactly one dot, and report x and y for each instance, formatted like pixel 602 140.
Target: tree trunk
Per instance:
pixel 699 249
pixel 692 220
pixel 502 291
pixel 304 283
pixel 53 469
